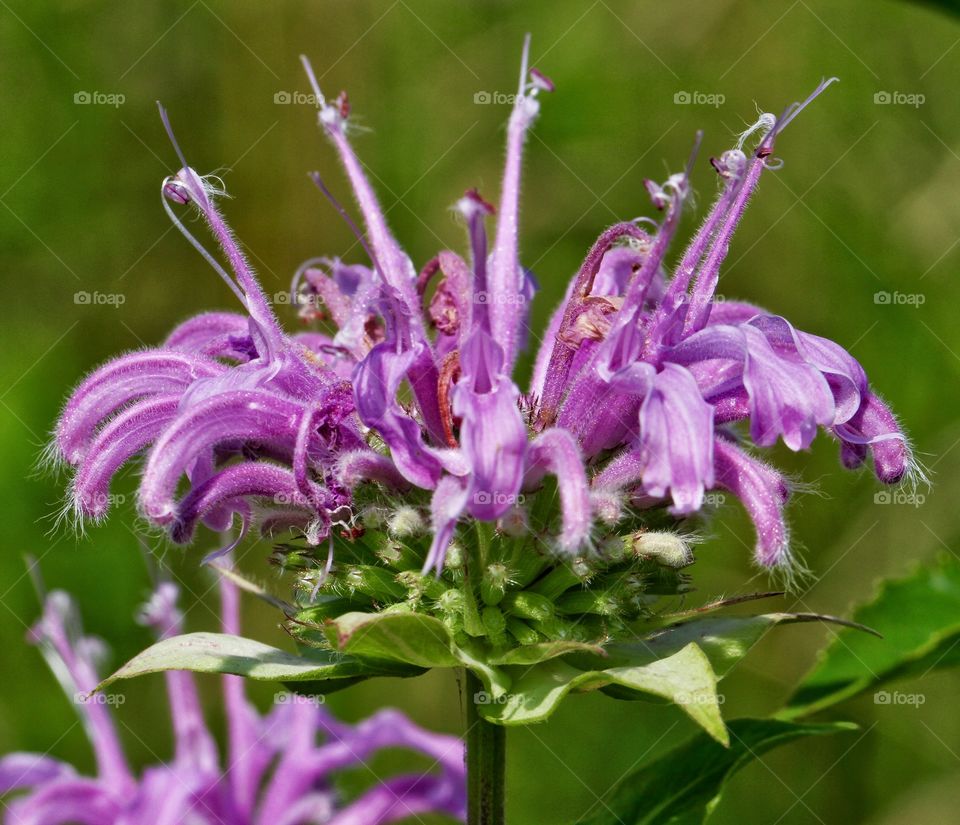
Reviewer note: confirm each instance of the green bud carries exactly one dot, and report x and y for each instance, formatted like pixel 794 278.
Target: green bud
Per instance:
pixel 601 602
pixel 526 564
pixel 527 605
pixel 522 632
pixel 559 580
pixel 495 624
pixel 376 582
pixel 454 558
pixel 494 583
pixel 561 630
pixel 419 585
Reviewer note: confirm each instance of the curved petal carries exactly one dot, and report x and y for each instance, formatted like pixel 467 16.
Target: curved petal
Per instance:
pixel 676 439
pixel 556 451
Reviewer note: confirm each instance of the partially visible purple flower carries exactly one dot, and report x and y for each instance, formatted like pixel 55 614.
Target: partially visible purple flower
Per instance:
pixel 639 384
pixel 279 769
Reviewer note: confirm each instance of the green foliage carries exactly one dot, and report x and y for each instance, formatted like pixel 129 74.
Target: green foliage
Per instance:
pixel 684 786
pixel 919 617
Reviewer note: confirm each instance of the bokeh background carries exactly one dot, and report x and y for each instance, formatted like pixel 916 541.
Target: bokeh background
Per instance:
pixel 856 238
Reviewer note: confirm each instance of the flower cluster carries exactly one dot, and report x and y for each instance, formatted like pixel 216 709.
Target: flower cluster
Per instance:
pixel 646 392
pixel 280 770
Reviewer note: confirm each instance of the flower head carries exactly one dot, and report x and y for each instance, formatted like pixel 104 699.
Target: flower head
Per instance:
pixel 647 391
pixel 280 768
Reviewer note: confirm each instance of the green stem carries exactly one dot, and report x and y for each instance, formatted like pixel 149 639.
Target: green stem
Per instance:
pixel 485 759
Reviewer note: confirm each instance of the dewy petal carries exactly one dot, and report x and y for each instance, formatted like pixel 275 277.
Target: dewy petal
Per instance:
pixel 238 482
pixel 876 427
pixel 843 373
pixel 762 492
pixel 76 801
pixel 506 281
pixel 448 503
pixel 676 437
pixel 24 770
pixel 242 415
pixel 197 333
pixel 376 381
pixel 556 451
pixel 358 466
pixel 122 438
pixel 117 383
pixel 788 397
pixel 493 435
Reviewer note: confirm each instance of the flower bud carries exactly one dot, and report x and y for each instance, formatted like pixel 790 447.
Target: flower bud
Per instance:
pixel 514 522
pixel 667 549
pixel 494 583
pixel 405 522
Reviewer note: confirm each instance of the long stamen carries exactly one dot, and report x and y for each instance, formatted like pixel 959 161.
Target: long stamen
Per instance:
pixel 394 266
pixel 188 186
pixel 506 274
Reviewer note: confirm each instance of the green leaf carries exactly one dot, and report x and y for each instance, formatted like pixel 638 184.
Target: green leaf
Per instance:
pixel 684 786
pixel 725 639
pixel 685 678
pixel 412 638
pixel 919 617
pixel 223 653
pixel 541 652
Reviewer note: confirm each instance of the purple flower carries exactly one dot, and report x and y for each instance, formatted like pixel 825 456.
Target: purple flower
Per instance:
pixel 639 385
pixel 279 769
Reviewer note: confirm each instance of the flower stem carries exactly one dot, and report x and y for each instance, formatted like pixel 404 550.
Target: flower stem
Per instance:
pixel 485 759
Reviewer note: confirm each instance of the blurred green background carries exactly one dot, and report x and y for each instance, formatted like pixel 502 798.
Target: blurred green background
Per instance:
pixel 866 203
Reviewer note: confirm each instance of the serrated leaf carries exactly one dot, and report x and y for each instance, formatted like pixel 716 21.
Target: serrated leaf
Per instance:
pixel 725 639
pixel 223 653
pixel 541 652
pixel 684 786
pixel 685 678
pixel 919 617
pixel 412 638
